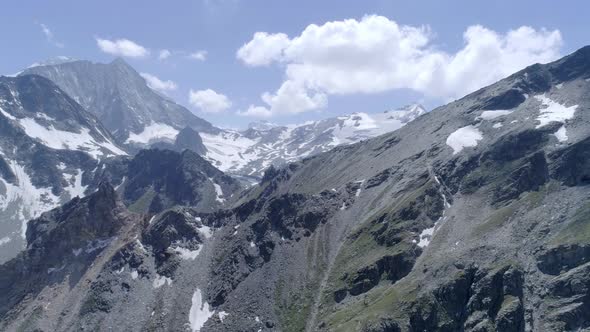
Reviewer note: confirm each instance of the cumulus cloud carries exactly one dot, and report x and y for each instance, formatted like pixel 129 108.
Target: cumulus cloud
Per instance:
pixel 256 112
pixel 263 49
pixel 164 54
pixel 376 54
pixel 209 101
pixel 122 47
pixel 158 84
pixel 198 55
pixel 49 35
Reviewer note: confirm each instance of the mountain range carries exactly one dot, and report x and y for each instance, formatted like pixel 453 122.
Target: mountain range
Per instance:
pixel 54 145
pixel 140 117
pixel 249 153
pixel 470 217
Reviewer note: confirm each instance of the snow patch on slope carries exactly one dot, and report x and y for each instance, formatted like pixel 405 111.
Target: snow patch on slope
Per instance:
pixel 490 115
pixel 199 313
pixel 160 281
pixel 218 191
pixel 227 150
pixel 153 132
pixel 76 189
pixel 461 138
pixel 24 199
pixel 187 254
pixel 206 231
pixel 561 134
pixel 553 111
pixel 61 139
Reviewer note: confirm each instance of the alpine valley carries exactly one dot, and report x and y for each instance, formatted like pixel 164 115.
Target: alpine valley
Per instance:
pixel 122 210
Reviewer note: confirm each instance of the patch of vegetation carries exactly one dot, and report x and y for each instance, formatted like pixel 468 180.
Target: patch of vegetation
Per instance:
pixel 377 303
pixel 385 233
pixel 577 230
pixel 293 308
pixel 496 220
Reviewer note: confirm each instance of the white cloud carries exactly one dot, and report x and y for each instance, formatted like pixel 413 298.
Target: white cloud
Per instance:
pixel 46 31
pixel 198 55
pixel 209 101
pixel 376 54
pixel 164 54
pixel 157 84
pixel 122 47
pixel 49 35
pixel 256 112
pixel 263 49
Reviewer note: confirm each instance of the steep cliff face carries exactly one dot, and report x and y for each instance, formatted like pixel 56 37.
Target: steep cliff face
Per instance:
pixel 49 146
pixel 473 217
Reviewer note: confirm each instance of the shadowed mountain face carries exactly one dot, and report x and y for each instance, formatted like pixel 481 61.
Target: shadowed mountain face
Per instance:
pixel 48 145
pixel 121 99
pixel 473 217
pixel 155 180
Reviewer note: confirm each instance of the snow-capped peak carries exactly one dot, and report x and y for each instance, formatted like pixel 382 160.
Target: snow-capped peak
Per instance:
pixel 54 61
pixel 262 125
pixel 407 113
pixel 249 154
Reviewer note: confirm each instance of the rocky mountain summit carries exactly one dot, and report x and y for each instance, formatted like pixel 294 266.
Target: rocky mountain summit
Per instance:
pixel 121 99
pixel 472 217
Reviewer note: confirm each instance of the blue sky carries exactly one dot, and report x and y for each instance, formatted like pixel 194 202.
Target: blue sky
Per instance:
pixel 221 27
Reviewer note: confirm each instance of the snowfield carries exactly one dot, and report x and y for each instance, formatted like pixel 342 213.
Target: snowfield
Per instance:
pixel 153 132
pixel 76 188
pixel 199 313
pixel 552 111
pixel 61 139
pixel 561 134
pixel 218 191
pixel 461 138
pixel 239 153
pixel 23 198
pixel 490 115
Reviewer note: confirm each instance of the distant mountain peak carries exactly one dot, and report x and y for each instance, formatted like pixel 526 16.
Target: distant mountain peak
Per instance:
pixel 117 94
pixel 58 60
pixel 121 63
pixel 262 125
pixel 250 152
